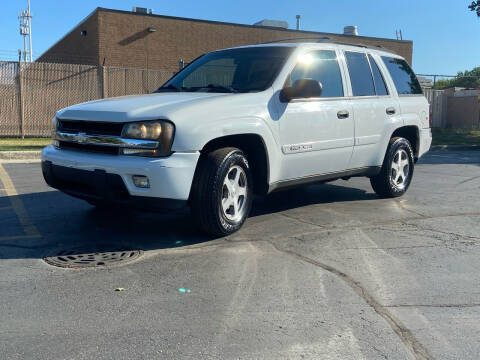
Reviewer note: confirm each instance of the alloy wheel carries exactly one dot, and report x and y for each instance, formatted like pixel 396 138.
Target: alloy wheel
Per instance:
pixel 234 194
pixel 400 169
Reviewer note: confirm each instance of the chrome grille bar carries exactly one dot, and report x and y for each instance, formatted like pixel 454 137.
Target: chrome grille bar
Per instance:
pixel 105 140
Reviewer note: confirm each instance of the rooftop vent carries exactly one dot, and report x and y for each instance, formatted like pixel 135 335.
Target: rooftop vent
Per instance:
pixel 350 30
pixel 272 23
pixel 141 10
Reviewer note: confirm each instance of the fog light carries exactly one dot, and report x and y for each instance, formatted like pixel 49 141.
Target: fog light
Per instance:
pixel 141 181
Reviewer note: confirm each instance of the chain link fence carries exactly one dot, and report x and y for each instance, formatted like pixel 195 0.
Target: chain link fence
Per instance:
pixel 31 93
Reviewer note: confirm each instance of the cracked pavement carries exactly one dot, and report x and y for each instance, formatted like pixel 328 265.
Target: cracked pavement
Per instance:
pixel 328 271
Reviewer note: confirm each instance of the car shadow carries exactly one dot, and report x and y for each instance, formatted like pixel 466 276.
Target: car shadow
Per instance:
pixel 68 224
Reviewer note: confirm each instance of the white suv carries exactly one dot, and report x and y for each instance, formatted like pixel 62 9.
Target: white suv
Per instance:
pixel 246 120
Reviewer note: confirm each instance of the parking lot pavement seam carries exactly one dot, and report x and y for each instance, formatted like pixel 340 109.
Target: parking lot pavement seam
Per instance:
pixel 419 351
pixel 301 221
pixel 432 306
pixel 424 228
pixel 468 180
pixel 28 227
pixel 405 221
pixel 402 206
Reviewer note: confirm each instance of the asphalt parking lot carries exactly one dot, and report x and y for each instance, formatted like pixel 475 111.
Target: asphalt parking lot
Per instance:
pixel 328 271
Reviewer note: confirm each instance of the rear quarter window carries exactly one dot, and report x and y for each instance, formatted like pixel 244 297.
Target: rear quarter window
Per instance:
pixel 403 76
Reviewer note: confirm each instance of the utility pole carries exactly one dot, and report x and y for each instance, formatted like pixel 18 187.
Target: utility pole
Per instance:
pixel 25 18
pixel 298 22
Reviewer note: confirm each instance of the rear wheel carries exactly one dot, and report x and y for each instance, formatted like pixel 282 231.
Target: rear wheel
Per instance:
pixel 222 194
pixel 397 169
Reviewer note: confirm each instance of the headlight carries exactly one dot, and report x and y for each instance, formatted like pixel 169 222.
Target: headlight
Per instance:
pixel 159 130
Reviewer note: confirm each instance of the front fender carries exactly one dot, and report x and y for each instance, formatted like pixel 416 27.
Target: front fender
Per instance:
pixel 194 138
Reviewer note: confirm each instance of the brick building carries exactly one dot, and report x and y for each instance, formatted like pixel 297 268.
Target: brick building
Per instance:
pixel 140 40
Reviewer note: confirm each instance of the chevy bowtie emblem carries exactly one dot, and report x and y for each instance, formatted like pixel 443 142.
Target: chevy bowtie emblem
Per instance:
pixel 81 137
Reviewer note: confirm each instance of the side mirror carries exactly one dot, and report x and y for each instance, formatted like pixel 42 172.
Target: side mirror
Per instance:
pixel 301 89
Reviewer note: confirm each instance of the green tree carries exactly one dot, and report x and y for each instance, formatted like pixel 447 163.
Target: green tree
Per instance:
pixel 475 6
pixel 467 78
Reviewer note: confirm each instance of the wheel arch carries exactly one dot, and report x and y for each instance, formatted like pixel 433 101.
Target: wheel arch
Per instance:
pixel 412 134
pixel 255 149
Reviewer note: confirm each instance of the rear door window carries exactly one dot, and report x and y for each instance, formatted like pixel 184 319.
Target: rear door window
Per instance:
pixel 360 74
pixel 380 87
pixel 320 65
pixel 402 75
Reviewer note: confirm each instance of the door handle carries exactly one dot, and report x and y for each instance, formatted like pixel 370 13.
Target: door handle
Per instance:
pixel 343 114
pixel 390 110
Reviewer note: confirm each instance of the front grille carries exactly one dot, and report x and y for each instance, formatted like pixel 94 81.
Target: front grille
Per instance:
pixel 111 150
pixel 90 127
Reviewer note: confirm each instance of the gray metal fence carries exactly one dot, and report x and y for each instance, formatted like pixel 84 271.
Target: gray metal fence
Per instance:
pixel 31 93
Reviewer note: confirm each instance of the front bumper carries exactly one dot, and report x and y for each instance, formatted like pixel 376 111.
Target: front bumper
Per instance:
pixel 170 178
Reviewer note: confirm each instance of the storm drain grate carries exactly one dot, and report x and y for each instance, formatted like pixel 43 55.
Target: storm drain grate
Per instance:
pixel 86 259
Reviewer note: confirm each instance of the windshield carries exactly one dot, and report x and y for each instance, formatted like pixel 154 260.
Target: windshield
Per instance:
pixel 234 70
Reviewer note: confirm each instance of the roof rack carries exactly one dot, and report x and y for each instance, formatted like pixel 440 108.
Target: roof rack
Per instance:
pixel 318 38
pixel 325 39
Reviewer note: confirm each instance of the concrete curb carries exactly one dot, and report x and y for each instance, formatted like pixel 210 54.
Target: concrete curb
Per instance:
pixel 20 155
pixel 454 147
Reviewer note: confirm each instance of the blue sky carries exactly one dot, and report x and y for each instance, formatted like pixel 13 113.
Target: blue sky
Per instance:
pixel 445 33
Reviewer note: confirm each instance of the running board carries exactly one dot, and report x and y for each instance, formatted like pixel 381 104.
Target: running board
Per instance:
pixel 312 179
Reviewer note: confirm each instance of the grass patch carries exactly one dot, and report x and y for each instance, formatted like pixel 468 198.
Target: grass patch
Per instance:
pixel 16 144
pixel 455 137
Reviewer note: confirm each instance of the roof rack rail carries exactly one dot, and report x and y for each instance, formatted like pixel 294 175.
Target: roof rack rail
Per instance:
pixel 325 39
pixel 318 38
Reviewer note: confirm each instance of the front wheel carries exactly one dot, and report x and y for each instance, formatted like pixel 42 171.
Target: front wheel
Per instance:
pixel 222 191
pixel 397 169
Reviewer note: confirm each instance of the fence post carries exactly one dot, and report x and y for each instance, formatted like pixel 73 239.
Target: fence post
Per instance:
pixel 101 80
pixel 21 109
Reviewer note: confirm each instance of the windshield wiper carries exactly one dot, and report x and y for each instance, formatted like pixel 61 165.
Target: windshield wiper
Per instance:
pixel 222 87
pixel 168 87
pixel 213 87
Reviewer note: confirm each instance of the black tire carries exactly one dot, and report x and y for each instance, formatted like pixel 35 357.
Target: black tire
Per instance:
pixel 208 190
pixel 383 183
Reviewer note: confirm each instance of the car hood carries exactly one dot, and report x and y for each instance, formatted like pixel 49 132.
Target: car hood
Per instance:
pixel 136 107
